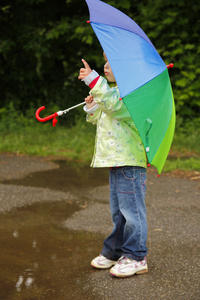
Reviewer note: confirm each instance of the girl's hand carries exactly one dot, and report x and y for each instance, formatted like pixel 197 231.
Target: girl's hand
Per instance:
pixel 90 101
pixel 84 72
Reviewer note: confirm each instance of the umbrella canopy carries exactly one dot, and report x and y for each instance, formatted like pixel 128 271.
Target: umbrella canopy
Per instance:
pixel 141 75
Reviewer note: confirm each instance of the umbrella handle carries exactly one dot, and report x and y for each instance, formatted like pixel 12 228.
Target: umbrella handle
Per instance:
pixel 53 116
pixel 56 114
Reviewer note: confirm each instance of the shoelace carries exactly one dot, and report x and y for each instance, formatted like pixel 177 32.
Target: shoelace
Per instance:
pixel 124 260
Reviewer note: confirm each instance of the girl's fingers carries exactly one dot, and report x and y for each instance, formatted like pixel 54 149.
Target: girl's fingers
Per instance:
pixel 89 99
pixel 84 72
pixel 85 64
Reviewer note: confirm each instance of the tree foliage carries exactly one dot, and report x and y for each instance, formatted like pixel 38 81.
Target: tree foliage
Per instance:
pixel 42 43
pixel 174 29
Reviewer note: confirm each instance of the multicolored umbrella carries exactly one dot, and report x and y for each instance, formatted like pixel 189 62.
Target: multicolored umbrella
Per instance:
pixel 141 75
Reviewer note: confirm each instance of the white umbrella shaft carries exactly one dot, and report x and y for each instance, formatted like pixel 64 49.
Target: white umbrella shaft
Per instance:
pixel 60 113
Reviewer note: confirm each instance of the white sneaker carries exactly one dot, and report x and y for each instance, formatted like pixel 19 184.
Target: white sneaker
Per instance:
pixel 126 267
pixel 101 262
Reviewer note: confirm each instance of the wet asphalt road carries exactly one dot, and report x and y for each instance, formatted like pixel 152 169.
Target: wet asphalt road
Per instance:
pixel 173 209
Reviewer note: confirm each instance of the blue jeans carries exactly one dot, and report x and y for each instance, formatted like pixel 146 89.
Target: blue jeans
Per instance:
pixel 128 211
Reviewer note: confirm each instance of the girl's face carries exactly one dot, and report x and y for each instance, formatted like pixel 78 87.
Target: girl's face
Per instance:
pixel 108 71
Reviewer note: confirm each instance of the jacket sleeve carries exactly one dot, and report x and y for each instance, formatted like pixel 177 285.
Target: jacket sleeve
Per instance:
pixel 108 100
pixel 93 118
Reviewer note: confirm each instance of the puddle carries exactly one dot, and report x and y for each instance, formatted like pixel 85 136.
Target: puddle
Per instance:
pixel 39 258
pixel 67 177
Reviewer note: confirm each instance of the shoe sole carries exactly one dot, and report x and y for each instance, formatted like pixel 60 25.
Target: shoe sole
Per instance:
pixel 136 273
pixel 103 267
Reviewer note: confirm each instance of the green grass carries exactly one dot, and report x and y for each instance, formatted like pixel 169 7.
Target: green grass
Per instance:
pixel 25 135
pixel 187 141
pixel 186 151
pixel 42 139
pixel 184 164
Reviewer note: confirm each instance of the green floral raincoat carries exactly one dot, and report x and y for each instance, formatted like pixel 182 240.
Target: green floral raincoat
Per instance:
pixel 117 140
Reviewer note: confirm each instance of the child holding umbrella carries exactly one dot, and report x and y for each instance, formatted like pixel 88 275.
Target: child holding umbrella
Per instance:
pixel 119 147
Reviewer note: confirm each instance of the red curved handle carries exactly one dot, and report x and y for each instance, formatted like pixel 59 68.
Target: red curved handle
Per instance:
pixel 46 118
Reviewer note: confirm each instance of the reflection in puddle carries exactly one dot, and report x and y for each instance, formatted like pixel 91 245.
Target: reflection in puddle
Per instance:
pixel 26 279
pixel 40 259
pixel 67 177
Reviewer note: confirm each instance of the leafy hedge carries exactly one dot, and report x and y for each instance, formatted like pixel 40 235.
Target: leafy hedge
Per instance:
pixel 42 43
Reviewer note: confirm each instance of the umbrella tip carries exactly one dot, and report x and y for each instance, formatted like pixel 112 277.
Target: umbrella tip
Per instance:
pixel 158 175
pixel 148 165
pixel 170 66
pixel 88 21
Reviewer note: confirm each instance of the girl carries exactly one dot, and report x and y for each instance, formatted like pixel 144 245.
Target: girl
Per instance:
pixel 119 147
